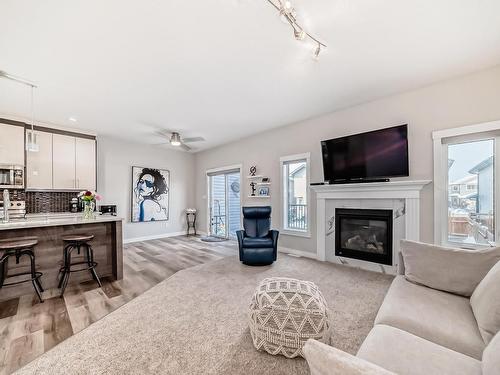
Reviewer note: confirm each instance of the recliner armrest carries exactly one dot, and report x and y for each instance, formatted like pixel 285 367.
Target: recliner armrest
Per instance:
pixel 274 235
pixel 240 234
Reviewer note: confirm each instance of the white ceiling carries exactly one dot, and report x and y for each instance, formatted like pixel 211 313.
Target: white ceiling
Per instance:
pixel 224 69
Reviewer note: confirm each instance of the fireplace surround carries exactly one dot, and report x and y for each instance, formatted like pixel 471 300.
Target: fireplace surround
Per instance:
pixel 364 234
pixel 401 196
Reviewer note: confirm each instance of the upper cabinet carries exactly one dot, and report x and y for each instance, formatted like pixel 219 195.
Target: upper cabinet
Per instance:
pixel 39 164
pixel 64 162
pixel 11 144
pixel 85 163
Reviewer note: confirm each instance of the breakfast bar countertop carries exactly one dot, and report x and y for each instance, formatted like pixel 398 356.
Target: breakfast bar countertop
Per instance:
pixel 51 220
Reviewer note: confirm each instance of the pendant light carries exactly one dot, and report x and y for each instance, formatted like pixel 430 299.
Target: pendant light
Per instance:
pixel 31 136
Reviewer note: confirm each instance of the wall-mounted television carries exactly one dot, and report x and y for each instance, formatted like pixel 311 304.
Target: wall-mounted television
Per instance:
pixel 374 155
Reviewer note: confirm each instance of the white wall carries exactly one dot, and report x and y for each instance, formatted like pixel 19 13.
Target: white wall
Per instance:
pixel 115 161
pixel 461 101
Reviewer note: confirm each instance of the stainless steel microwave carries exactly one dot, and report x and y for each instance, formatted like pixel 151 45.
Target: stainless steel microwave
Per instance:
pixel 11 177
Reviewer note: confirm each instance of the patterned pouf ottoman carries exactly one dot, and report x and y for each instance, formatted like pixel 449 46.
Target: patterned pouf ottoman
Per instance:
pixel 285 313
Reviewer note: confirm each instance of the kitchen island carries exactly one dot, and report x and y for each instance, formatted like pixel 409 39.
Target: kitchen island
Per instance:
pixel 107 245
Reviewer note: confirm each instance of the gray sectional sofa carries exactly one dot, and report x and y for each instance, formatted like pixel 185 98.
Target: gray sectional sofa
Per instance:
pixel 441 315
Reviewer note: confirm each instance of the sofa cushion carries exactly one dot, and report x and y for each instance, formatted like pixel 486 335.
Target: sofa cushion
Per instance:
pixel 485 302
pixel 327 360
pixel 491 357
pixel 443 318
pixel 257 242
pixel 451 270
pixel 403 353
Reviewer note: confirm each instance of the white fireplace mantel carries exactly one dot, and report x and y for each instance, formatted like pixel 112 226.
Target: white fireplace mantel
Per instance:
pixel 409 191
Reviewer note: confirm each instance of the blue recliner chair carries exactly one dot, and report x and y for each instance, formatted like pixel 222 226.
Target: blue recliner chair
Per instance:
pixel 258 243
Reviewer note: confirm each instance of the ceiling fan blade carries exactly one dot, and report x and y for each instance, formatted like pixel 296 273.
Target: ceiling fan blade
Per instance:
pixel 160 144
pixel 193 139
pixel 163 133
pixel 185 147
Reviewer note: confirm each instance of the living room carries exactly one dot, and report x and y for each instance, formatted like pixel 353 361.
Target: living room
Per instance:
pixel 312 192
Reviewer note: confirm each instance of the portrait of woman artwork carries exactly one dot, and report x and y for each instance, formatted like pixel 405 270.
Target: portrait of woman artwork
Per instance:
pixel 150 194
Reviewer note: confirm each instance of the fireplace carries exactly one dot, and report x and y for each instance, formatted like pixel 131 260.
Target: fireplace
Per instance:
pixel 364 234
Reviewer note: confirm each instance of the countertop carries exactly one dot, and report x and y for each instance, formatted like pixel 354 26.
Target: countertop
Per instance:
pixel 55 219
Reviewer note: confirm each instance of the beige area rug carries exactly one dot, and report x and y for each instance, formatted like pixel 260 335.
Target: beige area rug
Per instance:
pixel 196 323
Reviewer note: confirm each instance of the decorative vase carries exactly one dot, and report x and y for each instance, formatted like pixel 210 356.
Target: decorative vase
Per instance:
pixel 88 210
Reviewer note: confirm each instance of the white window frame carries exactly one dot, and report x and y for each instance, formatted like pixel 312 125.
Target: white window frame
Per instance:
pixel 441 140
pixel 221 170
pixel 284 201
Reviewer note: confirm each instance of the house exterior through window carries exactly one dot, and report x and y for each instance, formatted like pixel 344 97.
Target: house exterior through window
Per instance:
pixel 295 193
pixel 466 195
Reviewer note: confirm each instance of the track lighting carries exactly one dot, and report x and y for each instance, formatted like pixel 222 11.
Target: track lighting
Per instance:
pixel 299 34
pixel 317 51
pixel 288 15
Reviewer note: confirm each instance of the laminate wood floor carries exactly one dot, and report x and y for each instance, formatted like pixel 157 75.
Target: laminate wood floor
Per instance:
pixel 29 328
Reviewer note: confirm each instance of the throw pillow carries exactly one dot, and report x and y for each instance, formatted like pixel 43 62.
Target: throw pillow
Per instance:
pixel 485 302
pixel 451 270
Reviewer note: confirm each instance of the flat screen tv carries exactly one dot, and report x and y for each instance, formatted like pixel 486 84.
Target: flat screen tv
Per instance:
pixel 374 155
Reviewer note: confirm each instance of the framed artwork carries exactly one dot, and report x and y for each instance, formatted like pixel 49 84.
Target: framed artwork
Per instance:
pixel 150 194
pixel 264 191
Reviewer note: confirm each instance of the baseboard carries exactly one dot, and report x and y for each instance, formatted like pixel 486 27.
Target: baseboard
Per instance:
pixel 154 237
pixel 300 253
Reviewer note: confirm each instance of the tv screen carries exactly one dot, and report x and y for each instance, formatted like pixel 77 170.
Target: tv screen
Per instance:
pixel 377 154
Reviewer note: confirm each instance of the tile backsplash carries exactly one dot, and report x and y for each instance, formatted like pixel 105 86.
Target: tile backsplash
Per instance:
pixel 44 202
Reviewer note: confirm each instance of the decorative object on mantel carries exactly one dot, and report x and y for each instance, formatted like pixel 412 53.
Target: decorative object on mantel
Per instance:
pixel 89 198
pixel 151 192
pixel 253 170
pixel 288 14
pixel 285 313
pixel 191 212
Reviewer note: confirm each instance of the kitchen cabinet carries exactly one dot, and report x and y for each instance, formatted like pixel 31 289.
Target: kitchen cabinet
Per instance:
pixel 85 163
pixel 39 164
pixel 63 162
pixel 11 144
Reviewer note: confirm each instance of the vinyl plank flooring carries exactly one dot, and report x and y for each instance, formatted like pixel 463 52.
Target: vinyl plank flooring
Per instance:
pixel 8 308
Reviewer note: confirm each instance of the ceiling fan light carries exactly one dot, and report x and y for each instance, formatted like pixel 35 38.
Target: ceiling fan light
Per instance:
pixel 175 139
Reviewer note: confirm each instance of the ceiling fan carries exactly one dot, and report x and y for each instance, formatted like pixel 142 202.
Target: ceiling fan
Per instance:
pixel 175 139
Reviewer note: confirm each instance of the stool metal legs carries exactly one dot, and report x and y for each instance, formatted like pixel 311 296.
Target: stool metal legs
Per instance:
pixel 66 269
pixel 35 276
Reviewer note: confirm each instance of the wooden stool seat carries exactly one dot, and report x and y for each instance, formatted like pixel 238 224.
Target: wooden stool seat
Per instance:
pixel 77 237
pixel 17 244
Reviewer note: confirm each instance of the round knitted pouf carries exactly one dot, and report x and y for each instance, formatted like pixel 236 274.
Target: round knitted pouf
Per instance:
pixel 285 313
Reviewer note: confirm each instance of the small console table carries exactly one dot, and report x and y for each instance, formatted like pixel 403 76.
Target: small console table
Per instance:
pixel 191 223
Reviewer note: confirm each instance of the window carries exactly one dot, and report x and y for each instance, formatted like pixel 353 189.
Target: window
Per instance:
pixel 465 169
pixel 295 194
pixel 471 206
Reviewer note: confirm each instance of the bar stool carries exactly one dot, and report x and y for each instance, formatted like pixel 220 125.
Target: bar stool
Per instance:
pixel 18 249
pixel 72 242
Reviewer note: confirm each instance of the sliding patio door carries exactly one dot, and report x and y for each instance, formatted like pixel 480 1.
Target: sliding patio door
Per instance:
pixel 224 203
